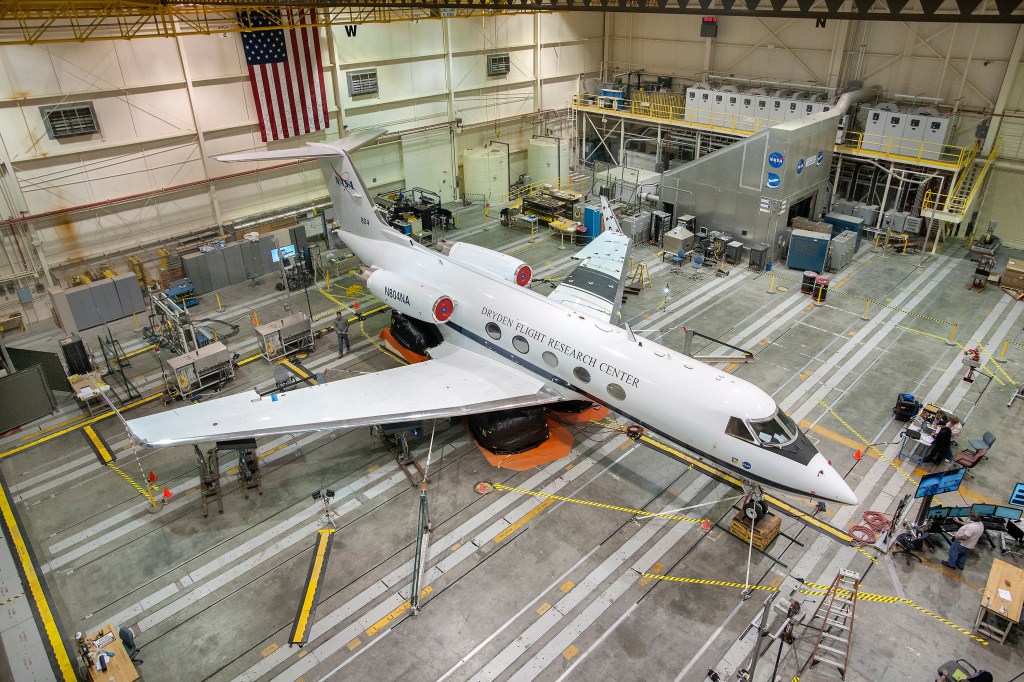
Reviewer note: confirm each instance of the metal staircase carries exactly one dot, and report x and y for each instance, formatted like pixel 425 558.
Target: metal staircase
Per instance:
pixel 834 620
pixel 952 207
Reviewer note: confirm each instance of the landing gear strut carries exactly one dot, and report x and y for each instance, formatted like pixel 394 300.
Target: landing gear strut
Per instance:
pixel 754 506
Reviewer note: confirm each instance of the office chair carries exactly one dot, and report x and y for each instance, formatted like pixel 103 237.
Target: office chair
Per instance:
pixel 968 459
pixel 677 260
pixel 910 542
pixel 128 640
pixel 984 444
pixel 698 263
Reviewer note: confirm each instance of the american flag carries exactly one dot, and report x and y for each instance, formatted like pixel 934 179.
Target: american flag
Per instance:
pixel 285 72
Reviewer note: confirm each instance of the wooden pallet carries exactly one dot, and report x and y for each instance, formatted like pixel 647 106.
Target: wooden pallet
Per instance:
pixel 765 530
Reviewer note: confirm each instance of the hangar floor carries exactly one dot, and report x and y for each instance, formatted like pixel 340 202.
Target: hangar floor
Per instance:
pixel 520 587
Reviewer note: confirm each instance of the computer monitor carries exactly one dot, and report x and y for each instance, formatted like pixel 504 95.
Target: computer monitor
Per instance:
pixel 1017 498
pixel 1008 513
pixel 984 509
pixel 940 482
pixel 287 251
pixel 938 512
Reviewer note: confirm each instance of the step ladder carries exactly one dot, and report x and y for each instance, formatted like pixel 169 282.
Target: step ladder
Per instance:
pixel 834 620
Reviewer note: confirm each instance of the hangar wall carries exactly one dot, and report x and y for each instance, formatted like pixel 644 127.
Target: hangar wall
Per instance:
pixel 957 63
pixel 166 106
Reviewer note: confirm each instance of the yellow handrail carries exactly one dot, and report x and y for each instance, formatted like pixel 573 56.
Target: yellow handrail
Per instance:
pixel 954 203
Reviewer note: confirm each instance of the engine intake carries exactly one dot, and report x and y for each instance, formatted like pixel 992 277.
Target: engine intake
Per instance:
pixel 502 265
pixel 408 296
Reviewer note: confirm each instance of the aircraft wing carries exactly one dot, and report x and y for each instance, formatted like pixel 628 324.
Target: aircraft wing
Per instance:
pixel 454 382
pixel 595 286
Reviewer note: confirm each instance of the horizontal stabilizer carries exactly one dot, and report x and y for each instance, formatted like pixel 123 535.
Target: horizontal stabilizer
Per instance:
pixel 312 150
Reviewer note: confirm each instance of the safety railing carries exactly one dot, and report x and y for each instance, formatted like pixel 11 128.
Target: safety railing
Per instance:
pixel 903 149
pixel 957 201
pixel 652 108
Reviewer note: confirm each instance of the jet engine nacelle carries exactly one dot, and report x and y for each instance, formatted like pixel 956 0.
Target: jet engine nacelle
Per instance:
pixel 409 296
pixel 504 266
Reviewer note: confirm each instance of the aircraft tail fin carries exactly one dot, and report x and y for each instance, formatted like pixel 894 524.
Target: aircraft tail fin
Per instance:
pixel 355 209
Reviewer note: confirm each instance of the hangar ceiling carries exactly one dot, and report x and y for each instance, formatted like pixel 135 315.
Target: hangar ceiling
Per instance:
pixel 42 21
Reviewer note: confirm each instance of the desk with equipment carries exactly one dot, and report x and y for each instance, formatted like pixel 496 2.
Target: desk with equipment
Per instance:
pixel 97 648
pixel 1001 601
pixel 917 438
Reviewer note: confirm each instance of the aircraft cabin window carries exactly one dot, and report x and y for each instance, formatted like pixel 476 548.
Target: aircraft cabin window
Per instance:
pixel 777 430
pixel 521 344
pixel 738 428
pixel 550 358
pixel 493 331
pixel 582 374
pixel 616 391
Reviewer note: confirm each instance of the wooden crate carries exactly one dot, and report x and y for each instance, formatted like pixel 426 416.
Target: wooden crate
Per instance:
pixel 765 530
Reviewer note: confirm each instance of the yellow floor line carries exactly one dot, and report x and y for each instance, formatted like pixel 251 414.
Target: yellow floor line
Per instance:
pixel 304 621
pixel 52 427
pixel 91 420
pixel 832 435
pixel 35 588
pixel 524 520
pixel 102 451
pixel 297 371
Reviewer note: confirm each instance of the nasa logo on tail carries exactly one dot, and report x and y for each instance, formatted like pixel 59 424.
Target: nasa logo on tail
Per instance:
pixel 343 181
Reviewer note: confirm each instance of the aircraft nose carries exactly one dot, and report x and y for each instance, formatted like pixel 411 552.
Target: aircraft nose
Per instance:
pixel 828 483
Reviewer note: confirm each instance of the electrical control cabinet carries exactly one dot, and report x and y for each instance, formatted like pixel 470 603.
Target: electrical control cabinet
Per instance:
pixel 874 130
pixel 895 124
pixel 933 137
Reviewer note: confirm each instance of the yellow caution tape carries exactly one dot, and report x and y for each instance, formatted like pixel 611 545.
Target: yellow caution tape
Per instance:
pixel 818 590
pixel 866 442
pixel 145 493
pixel 599 505
pixel 998 366
pixel 872 301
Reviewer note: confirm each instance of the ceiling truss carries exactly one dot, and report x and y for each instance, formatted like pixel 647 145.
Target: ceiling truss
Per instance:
pixel 27 22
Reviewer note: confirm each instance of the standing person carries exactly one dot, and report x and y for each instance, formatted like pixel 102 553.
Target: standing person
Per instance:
pixel 964 541
pixel 341 329
pixel 940 450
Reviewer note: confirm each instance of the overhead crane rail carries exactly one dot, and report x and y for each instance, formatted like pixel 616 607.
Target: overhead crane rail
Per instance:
pixel 30 22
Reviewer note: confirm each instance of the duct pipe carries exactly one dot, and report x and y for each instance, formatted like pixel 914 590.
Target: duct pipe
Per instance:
pixel 847 99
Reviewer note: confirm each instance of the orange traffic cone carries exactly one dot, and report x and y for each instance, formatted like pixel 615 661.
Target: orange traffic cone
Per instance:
pixel 705 525
pixel 167 494
pixel 152 477
pixel 856 455
pixel 255 318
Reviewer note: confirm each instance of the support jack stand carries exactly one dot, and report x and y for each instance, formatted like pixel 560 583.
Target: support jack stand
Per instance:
pixel 325 495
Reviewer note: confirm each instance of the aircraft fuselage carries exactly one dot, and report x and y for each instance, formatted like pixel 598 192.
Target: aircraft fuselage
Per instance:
pixel 682 399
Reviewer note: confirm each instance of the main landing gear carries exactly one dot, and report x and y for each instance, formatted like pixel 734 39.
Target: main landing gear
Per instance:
pixel 754 506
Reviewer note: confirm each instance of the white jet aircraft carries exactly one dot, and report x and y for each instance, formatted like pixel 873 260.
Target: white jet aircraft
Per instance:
pixel 506 346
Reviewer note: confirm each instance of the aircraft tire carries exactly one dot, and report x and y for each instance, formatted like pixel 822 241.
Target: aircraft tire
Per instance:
pixel 755 509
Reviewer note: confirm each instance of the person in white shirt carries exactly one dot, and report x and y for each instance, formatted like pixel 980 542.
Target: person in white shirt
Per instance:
pixel 964 540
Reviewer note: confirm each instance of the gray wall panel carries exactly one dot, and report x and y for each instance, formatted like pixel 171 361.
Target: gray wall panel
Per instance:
pixel 218 270
pixel 25 397
pixel 104 293
pixel 235 262
pixel 252 258
pixel 83 307
pixel 129 293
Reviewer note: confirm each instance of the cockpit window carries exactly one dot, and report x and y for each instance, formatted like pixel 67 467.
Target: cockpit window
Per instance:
pixel 738 428
pixel 779 429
